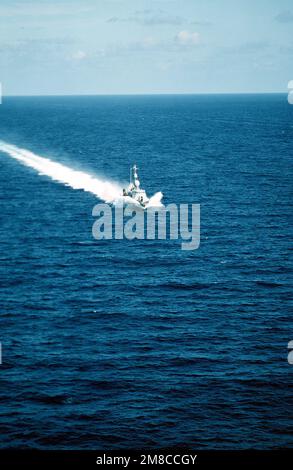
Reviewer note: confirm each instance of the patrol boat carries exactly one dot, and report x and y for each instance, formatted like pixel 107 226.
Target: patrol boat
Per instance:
pixel 134 193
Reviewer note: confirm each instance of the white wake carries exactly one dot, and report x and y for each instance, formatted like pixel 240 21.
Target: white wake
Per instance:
pixel 156 200
pixel 105 190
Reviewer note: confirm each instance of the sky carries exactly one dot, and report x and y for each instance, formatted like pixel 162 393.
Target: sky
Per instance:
pixel 64 47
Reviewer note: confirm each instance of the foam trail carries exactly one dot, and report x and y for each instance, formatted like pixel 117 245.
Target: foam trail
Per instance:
pixel 155 200
pixel 105 190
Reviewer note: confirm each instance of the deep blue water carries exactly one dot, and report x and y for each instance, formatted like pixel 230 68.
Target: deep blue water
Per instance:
pixel 136 344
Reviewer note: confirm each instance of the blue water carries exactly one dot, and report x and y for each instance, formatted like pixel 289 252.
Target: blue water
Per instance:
pixel 138 344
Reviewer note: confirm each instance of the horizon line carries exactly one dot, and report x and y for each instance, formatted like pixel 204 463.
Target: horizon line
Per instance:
pixel 143 94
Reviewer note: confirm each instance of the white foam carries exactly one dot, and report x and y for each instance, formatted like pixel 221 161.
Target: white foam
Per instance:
pixel 155 200
pixel 105 190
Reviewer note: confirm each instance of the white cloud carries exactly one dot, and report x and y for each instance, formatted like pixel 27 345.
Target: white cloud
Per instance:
pixel 187 38
pixel 78 55
pixel 149 41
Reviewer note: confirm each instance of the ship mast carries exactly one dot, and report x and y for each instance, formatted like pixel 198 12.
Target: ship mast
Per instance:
pixel 136 181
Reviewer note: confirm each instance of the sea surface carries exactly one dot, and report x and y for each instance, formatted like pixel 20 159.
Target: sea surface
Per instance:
pixel 119 344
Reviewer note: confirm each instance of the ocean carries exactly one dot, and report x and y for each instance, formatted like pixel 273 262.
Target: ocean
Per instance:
pixel 118 344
